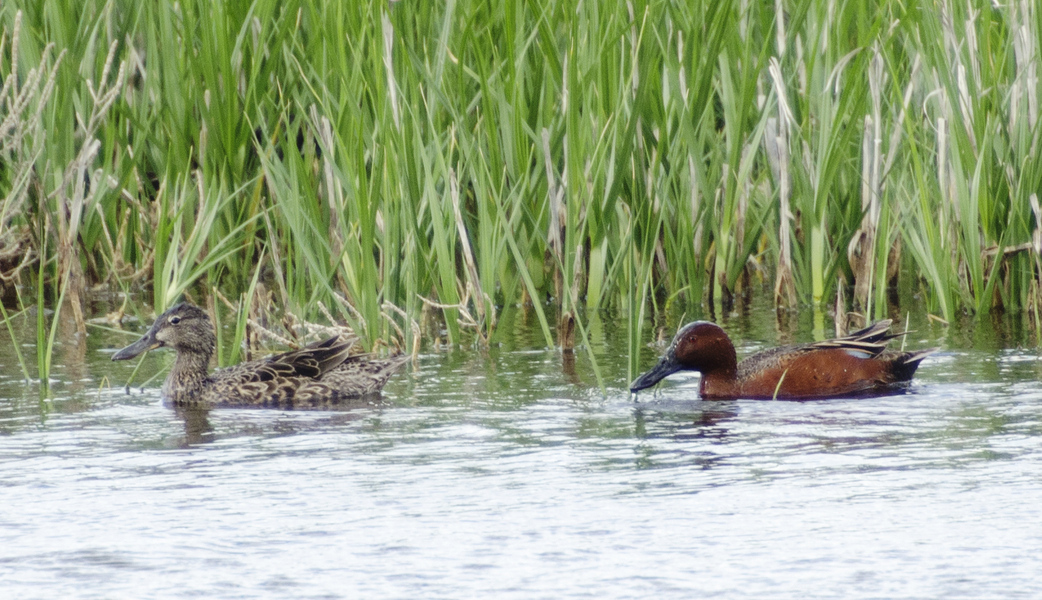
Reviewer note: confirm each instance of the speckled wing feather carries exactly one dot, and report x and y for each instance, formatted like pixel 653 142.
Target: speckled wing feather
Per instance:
pixel 308 362
pixel 361 374
pixel 320 375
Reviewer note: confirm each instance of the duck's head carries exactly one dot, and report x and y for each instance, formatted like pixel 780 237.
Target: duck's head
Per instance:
pixel 700 346
pixel 184 328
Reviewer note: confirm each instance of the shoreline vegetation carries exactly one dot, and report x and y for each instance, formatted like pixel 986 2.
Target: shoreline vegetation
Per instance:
pixel 416 169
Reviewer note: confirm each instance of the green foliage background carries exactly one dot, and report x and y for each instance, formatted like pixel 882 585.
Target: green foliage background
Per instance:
pixel 463 158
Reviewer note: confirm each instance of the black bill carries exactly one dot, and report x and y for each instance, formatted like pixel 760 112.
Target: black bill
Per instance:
pixel 146 343
pixel 665 367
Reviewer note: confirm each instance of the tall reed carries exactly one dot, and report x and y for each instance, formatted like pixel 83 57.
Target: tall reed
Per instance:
pixel 466 159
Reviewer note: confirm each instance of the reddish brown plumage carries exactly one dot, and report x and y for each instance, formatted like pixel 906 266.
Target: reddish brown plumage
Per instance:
pixel 853 365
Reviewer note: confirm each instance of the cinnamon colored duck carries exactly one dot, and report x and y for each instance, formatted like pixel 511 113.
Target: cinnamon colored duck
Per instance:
pixel 321 375
pixel 858 364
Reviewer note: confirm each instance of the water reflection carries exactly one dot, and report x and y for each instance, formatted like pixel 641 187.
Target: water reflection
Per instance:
pixel 682 434
pixel 199 428
pixel 679 421
pixel 476 470
pixel 568 367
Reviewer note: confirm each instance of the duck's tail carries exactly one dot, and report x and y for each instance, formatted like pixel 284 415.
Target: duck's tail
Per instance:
pixel 906 363
pixel 361 374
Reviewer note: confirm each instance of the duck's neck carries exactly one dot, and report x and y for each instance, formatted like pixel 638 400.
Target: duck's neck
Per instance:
pixel 720 375
pixel 719 385
pixel 187 378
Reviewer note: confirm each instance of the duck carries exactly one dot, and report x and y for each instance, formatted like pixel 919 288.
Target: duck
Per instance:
pixel 856 365
pixel 322 375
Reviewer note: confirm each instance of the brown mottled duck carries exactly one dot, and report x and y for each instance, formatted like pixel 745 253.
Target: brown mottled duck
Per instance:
pixel 319 376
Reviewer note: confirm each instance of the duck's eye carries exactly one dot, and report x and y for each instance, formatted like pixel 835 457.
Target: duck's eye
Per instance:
pixel 174 320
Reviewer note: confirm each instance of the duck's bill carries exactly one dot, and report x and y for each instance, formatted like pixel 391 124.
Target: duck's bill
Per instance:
pixel 146 343
pixel 663 369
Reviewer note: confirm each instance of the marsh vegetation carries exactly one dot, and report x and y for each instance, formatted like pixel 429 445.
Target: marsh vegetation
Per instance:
pixel 418 169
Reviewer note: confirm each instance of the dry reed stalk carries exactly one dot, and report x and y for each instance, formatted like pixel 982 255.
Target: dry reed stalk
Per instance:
pixel 776 140
pixel 861 251
pixel 334 191
pixel 1026 51
pixel 15 127
pixel 84 186
pixel 558 215
pixel 473 280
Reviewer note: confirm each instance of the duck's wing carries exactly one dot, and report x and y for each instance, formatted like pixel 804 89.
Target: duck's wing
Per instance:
pixel 866 343
pixel 313 360
pixel 309 362
pixel 321 375
pixel 872 339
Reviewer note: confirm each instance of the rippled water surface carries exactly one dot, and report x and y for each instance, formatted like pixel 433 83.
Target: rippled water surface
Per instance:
pixel 509 474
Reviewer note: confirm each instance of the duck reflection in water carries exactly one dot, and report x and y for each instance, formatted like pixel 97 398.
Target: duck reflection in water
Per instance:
pixel 199 426
pixel 684 420
pixel 198 429
pixel 696 434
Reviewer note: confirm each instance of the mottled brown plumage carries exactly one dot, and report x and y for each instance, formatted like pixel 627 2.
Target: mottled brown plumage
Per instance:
pixel 319 376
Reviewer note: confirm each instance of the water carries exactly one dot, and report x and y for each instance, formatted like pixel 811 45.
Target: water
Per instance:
pixel 508 474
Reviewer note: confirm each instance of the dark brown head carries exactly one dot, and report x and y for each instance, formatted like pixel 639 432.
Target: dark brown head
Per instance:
pixel 184 328
pixel 700 346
